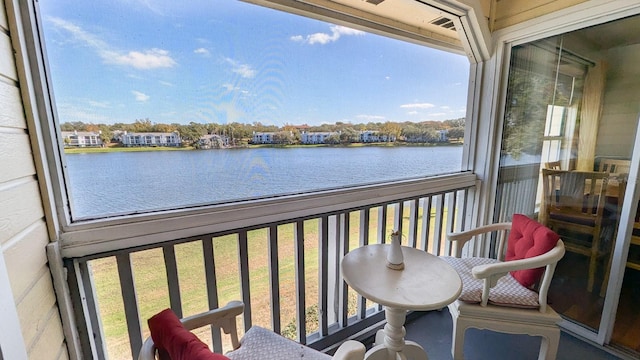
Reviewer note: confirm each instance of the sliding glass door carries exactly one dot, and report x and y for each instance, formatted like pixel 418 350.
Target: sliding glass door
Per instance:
pixel 571 113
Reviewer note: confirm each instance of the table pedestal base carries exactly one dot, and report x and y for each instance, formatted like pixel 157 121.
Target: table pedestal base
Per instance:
pixel 390 343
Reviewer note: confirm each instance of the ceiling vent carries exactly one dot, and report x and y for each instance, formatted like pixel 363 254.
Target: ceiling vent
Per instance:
pixel 374 2
pixel 444 23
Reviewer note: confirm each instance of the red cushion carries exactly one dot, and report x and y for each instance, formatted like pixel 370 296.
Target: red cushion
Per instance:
pixel 172 339
pixel 528 238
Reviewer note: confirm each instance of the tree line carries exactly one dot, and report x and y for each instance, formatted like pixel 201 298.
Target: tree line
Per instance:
pixel 237 132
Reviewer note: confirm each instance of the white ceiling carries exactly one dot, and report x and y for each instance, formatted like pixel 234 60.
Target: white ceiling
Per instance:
pixel 410 12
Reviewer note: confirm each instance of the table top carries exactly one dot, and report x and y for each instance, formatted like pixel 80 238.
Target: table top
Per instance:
pixel 426 283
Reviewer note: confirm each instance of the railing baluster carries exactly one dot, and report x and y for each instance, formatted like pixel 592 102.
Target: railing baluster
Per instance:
pixel 323 276
pixel 212 288
pixel 173 283
pixel 365 220
pixel 130 300
pixel 243 260
pixel 365 216
pixel 398 217
pixel 274 276
pixel 451 216
pixel 382 224
pixel 426 223
pixel 437 231
pixel 301 310
pixel 343 313
pixel 413 223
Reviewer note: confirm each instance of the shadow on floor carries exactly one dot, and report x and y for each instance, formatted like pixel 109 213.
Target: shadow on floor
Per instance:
pixel 433 332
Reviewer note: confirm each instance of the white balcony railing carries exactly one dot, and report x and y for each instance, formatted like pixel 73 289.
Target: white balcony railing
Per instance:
pixel 286 272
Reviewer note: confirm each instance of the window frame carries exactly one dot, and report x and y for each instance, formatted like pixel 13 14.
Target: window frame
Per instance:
pixel 84 237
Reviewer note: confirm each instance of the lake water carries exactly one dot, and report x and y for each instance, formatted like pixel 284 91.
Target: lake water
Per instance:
pixel 126 182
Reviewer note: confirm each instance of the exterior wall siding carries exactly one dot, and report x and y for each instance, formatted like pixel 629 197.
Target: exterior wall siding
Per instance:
pixel 510 12
pixel 23 231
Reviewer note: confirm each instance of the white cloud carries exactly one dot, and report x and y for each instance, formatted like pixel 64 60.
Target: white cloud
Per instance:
pixel 412 112
pixel 145 59
pixel 244 70
pixel 148 59
pixel 438 114
pixel 370 117
pixel 417 106
pixel 201 51
pixel 165 83
pixel 324 38
pixel 141 97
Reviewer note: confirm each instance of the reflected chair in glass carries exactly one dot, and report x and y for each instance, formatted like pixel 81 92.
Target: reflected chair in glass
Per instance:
pixel 554 165
pixel 573 205
pixel 633 259
pixel 509 293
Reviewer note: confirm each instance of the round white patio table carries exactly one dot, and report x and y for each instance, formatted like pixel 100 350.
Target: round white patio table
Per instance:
pixel 426 283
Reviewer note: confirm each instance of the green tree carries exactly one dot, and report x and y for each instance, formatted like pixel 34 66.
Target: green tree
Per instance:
pixel 142 125
pixel 391 129
pixel 456 133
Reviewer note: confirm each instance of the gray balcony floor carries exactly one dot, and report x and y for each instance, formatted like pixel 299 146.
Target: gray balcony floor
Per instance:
pixel 433 332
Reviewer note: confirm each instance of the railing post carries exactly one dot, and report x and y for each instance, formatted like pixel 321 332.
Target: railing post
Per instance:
pixel 130 300
pixel 301 307
pixel 333 269
pixel 323 274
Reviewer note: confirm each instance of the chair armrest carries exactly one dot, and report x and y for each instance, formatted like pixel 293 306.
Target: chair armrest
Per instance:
pixel 502 268
pixel 462 237
pixel 491 273
pixel 224 318
pixel 350 350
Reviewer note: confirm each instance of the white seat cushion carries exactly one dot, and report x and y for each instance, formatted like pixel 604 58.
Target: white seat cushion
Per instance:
pixel 507 292
pixel 262 344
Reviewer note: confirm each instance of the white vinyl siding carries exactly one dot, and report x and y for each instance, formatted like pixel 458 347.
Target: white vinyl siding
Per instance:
pixel 506 13
pixel 23 231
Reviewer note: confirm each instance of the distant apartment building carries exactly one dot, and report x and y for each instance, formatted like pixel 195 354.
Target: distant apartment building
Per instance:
pixel 442 135
pixel 263 137
pixel 81 138
pixel 278 137
pixel 315 137
pixel 213 141
pixel 150 139
pixel 369 136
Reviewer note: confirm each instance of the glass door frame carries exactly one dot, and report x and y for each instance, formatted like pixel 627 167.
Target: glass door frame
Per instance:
pixel 574 18
pixel 622 244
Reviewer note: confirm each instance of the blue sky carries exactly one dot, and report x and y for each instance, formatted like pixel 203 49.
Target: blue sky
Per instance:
pixel 223 61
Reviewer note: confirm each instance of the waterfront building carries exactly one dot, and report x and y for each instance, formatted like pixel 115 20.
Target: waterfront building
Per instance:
pixel 369 136
pixel 317 137
pixel 81 138
pixel 213 141
pixel 130 139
